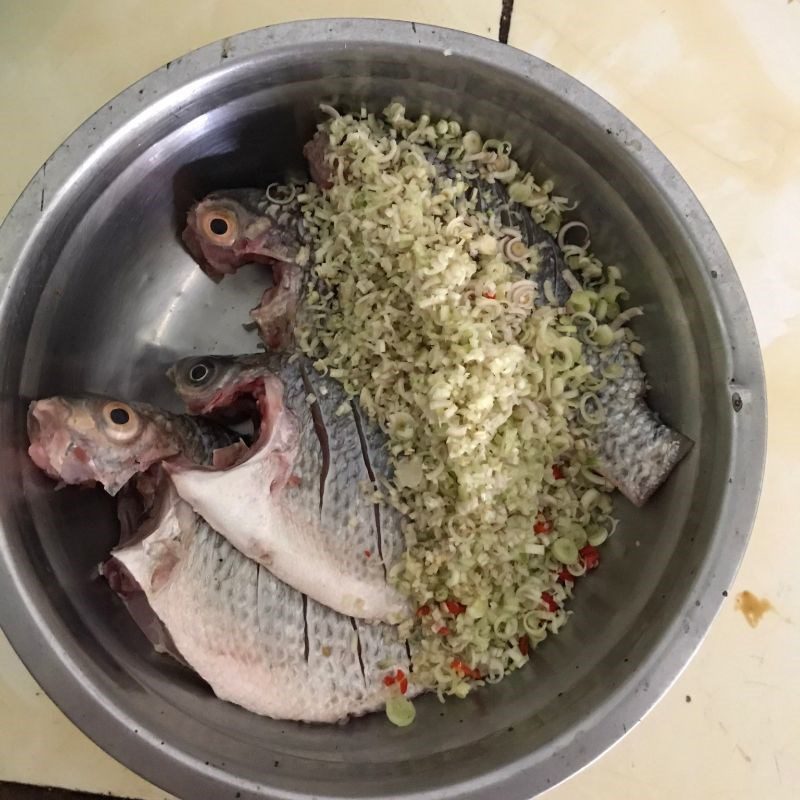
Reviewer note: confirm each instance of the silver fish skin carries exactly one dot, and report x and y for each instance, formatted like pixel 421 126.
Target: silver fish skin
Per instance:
pixel 635 450
pixel 90 438
pixel 494 197
pixel 515 215
pixel 295 502
pixel 230 228
pixel 256 641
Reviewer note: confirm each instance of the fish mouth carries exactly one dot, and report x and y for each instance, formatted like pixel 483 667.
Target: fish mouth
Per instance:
pixel 256 399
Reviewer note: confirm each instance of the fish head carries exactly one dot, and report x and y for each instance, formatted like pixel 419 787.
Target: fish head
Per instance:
pixel 81 440
pixel 236 388
pixel 228 229
pixel 207 384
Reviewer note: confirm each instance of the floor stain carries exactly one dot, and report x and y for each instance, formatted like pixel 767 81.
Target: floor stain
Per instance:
pixel 753 608
pixel 744 755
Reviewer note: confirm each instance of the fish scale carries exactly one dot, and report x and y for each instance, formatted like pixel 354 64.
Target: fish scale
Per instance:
pixel 635 450
pixel 243 630
pixel 391 520
pixel 493 196
pixel 347 483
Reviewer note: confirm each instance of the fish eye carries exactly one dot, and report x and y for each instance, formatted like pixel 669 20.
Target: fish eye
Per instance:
pixel 200 372
pixel 219 225
pixel 122 423
pixel 119 416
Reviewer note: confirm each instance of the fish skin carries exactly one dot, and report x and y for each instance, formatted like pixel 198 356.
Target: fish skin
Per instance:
pixel 245 632
pixel 635 450
pixel 295 504
pixel 255 230
pixel 74 439
pixel 493 195
pixel 515 215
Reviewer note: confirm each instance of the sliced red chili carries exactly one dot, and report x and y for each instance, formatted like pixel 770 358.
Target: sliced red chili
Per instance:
pixel 590 556
pixel 367 553
pixel 524 645
pixel 558 473
pixel 423 611
pixel 454 607
pixel 459 666
pixel 564 576
pixel 443 631
pixel 542 526
pixel 549 601
pixel 388 680
pixel 403 684
pixel 490 295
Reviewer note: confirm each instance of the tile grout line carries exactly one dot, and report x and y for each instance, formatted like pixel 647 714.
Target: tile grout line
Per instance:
pixel 505 20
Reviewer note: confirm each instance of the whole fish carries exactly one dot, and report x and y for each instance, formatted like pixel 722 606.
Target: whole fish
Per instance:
pixel 98 439
pixel 256 641
pixel 231 228
pixel 296 501
pixel 635 450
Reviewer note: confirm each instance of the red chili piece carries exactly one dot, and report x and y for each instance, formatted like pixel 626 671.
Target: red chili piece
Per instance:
pixel 402 681
pixel 388 680
pixel 590 556
pixel 523 645
pixel 549 601
pixel 490 295
pixel 459 666
pixel 443 631
pixel 564 576
pixel 367 553
pixel 423 611
pixel 454 607
pixel 558 473
pixel 542 526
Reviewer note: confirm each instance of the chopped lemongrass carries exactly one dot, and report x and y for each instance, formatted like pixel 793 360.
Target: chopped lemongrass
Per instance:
pixel 400 710
pixel 426 307
pixel 565 551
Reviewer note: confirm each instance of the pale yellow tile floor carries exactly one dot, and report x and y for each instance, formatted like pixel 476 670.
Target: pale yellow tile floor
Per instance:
pixel 716 84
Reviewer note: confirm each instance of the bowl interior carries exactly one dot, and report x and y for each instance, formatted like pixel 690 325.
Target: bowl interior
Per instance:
pixel 109 299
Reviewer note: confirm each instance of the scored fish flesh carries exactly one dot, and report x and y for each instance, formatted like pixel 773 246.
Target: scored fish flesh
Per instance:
pixel 228 229
pixel 297 501
pixel 91 438
pixel 256 641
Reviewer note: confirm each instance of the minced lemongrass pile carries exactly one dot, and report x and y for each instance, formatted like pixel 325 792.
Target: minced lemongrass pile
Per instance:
pixel 424 307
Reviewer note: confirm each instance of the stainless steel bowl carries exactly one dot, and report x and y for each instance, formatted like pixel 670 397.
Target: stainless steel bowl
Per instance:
pixel 98 294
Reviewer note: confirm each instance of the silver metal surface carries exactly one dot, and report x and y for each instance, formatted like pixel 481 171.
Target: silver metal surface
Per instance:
pixel 98 294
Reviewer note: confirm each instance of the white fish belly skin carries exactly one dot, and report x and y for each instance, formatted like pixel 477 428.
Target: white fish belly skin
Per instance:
pixel 244 631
